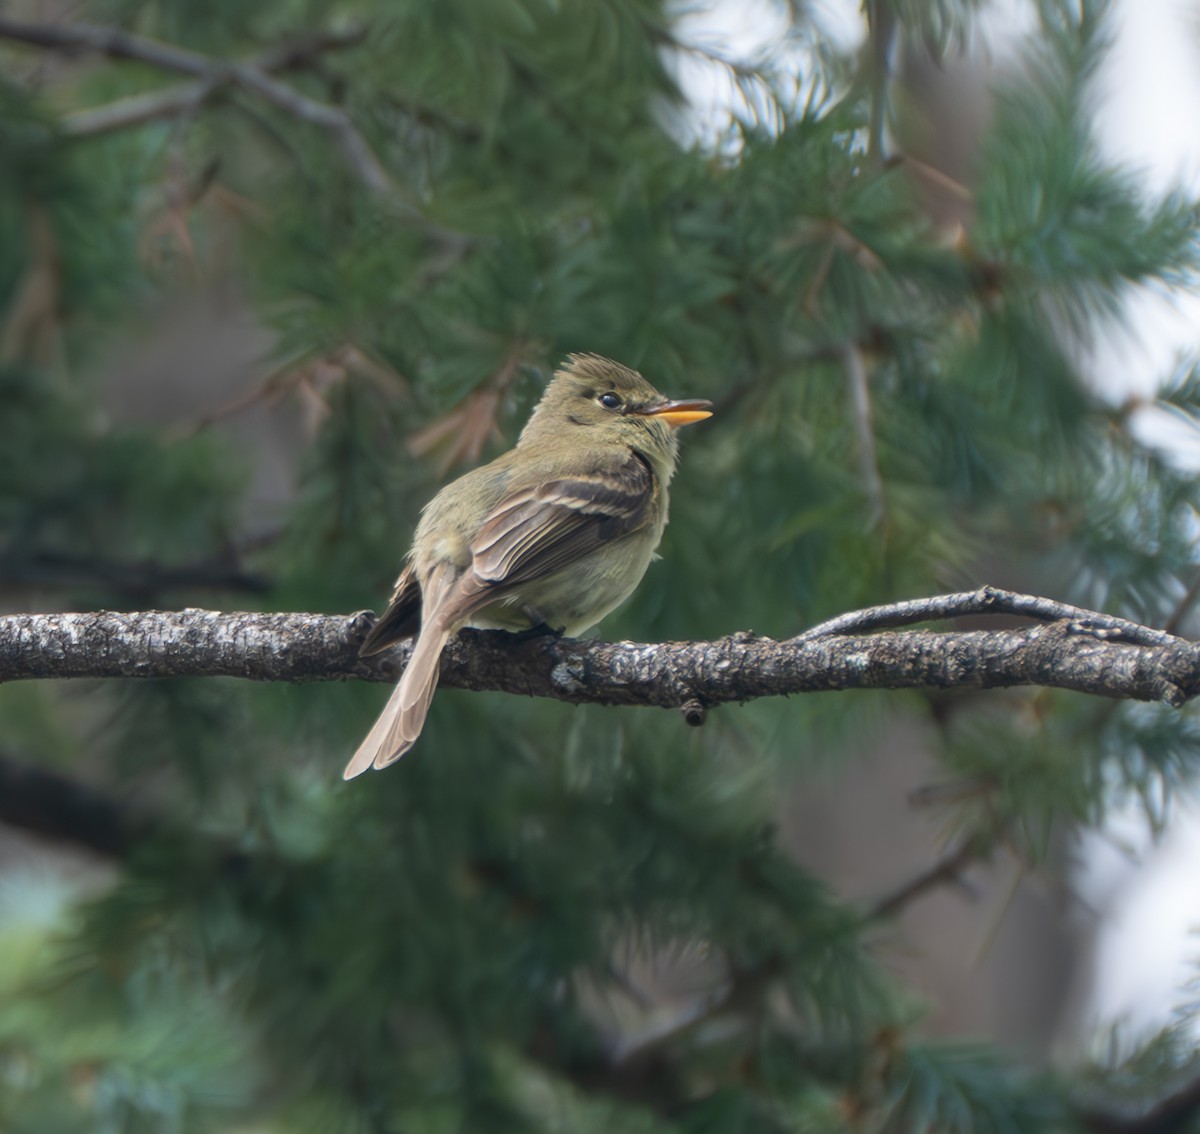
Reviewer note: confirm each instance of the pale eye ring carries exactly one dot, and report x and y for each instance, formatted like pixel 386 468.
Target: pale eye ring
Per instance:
pixel 609 401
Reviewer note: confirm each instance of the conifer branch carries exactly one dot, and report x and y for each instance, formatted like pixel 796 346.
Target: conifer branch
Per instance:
pixel 135 110
pixel 213 74
pixel 101 40
pixel 1083 651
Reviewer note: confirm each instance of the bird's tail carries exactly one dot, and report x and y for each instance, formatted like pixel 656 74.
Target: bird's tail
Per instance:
pixel 400 723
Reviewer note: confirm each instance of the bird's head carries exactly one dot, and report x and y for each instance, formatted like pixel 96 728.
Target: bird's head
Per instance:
pixel 601 400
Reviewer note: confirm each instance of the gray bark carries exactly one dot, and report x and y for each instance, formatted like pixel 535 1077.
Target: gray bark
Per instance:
pixel 1091 656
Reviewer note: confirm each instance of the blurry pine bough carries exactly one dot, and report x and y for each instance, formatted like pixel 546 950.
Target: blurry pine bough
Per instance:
pixel 267 277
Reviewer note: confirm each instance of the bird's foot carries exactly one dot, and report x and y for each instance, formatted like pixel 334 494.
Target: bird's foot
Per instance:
pixel 539 630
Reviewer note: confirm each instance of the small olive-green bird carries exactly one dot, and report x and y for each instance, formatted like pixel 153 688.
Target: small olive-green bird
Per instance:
pixel 556 532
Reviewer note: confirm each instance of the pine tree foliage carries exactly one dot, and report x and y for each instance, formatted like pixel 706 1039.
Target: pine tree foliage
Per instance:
pixel 449 946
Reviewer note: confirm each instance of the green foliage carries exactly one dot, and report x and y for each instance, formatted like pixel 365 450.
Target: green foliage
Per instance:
pixel 101 494
pixel 83 1049
pixel 962 1088
pixel 1132 1079
pixel 449 946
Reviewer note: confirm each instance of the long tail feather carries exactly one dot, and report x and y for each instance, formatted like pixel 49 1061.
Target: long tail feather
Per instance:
pixel 400 723
pixel 403 717
pixel 413 696
pixel 373 742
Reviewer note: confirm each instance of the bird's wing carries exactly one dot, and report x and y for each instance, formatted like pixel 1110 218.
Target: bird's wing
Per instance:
pixel 536 531
pixel 400 620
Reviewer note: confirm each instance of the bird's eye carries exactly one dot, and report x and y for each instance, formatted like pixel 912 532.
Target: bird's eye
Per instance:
pixel 609 401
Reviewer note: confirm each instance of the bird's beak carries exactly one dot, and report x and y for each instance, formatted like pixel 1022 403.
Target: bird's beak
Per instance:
pixel 680 413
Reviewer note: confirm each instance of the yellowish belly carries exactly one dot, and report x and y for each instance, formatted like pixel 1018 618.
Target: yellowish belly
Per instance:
pixel 576 598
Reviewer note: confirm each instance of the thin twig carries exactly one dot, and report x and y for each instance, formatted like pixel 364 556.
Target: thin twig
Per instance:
pixel 306 49
pixel 883 28
pixel 356 148
pixel 118 44
pixel 934 176
pixel 986 600
pixel 1000 912
pixel 31 327
pixel 103 40
pixel 463 432
pixel 135 110
pixel 741 992
pixel 942 872
pixel 691 1014
pixel 864 429
pixel 1184 607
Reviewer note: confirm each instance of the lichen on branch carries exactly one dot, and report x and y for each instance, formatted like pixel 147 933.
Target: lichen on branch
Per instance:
pixel 1070 649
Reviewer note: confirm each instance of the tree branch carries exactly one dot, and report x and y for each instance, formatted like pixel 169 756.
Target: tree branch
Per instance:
pixel 108 41
pixel 986 600
pixel 58 808
pixel 943 872
pixel 1083 654
pixel 136 110
pixel 213 73
pixel 175 101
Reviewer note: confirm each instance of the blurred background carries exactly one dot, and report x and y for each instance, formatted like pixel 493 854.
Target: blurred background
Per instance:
pixel 270 274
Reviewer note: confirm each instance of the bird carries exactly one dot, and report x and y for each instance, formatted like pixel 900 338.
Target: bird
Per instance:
pixel 550 536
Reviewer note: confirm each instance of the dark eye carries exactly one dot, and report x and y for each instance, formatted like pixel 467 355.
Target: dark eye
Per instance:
pixel 609 401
